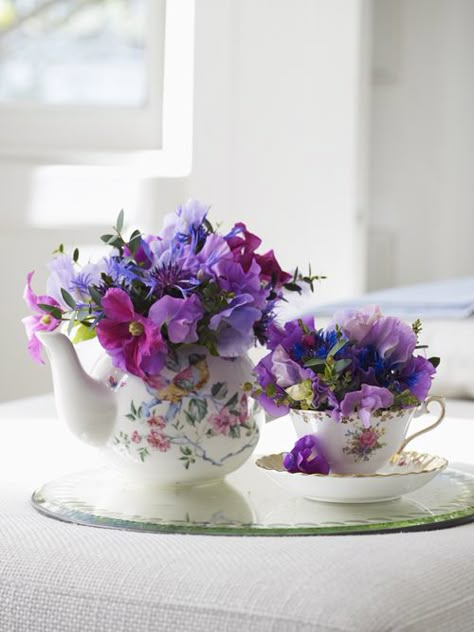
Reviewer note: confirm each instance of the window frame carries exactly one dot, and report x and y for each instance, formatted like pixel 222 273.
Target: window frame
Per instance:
pixel 152 139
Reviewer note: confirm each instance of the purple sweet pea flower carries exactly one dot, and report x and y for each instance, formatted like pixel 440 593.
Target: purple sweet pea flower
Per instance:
pixel 234 324
pixel 356 323
pixel 394 340
pixel 417 376
pixel 264 375
pixel 290 334
pixel 39 320
pixel 307 457
pixel 366 401
pixel 286 371
pixel 180 315
pixel 133 341
pixel 243 245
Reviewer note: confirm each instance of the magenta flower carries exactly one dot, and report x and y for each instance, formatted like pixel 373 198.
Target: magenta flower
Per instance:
pixel 180 315
pixel 244 244
pixel 366 401
pixel 133 341
pixel 40 320
pixel 307 457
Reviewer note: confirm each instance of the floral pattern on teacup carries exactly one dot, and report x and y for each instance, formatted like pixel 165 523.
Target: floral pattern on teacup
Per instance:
pixel 363 442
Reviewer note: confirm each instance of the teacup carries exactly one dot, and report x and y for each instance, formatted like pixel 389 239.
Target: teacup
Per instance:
pixel 351 448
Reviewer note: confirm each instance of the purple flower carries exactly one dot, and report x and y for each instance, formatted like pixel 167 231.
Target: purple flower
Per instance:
pixel 265 378
pixel 417 376
pixel 366 401
pixel 286 371
pixel 186 222
pixel 394 340
pixel 133 341
pixel 244 244
pixel 307 457
pixel 180 315
pixel 39 320
pixel 234 324
pixel 290 334
pixel 356 323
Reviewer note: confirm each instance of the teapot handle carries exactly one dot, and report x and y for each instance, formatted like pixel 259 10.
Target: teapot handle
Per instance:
pixel 424 408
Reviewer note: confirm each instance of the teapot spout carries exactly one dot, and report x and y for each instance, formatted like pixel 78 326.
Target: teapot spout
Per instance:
pixel 87 406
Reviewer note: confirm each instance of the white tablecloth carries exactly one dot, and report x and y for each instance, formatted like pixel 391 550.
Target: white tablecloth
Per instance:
pixel 57 577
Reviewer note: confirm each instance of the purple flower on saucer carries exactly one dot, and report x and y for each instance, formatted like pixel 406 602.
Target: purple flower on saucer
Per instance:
pixel 306 456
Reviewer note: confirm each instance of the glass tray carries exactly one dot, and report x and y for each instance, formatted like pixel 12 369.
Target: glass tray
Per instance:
pixel 248 503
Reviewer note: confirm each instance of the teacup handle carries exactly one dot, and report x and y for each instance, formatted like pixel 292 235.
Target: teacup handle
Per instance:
pixel 424 408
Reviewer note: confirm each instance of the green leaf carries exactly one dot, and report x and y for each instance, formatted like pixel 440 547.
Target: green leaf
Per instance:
pixel 337 347
pixel 51 309
pixel 232 401
pixel 292 287
pixel 340 365
pixel 198 408
pixel 83 333
pixel 68 298
pixel 107 238
pixel 72 322
pixel 434 361
pixel 75 255
pixel 119 223
pixel 95 295
pixel 219 390
pixel 315 362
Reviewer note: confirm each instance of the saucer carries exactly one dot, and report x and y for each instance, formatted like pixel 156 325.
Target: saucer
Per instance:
pixel 405 473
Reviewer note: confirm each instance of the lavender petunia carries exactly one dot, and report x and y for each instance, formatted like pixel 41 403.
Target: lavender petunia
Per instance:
pixel 307 457
pixel 366 401
pixel 180 315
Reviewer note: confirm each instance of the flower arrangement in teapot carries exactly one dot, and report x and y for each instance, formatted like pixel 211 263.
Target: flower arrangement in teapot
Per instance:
pixel 175 313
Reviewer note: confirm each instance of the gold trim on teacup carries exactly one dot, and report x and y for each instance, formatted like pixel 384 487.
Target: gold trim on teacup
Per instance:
pixel 422 463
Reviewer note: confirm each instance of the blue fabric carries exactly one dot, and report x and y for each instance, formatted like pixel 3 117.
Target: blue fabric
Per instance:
pixel 453 298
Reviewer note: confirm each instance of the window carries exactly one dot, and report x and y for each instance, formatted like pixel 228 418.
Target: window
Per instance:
pixel 82 81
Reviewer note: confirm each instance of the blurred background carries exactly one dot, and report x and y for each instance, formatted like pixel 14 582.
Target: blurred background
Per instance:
pixel 341 131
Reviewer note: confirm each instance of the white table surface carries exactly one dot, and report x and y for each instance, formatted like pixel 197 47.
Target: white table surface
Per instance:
pixel 57 577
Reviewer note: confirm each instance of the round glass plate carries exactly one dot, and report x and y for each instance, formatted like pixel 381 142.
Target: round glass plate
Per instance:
pixel 248 503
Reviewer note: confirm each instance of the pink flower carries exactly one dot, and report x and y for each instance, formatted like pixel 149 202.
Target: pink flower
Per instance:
pixel 223 421
pixel 136 436
pixel 368 438
pixel 159 441
pixel 158 421
pixel 133 341
pixel 40 320
pixel 243 409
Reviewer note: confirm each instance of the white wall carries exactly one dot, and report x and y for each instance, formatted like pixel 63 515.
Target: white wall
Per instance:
pixel 278 143
pixel 422 144
pixel 279 138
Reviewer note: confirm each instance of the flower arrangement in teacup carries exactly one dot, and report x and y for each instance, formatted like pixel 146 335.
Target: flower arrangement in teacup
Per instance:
pixel 351 388
pixel 175 313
